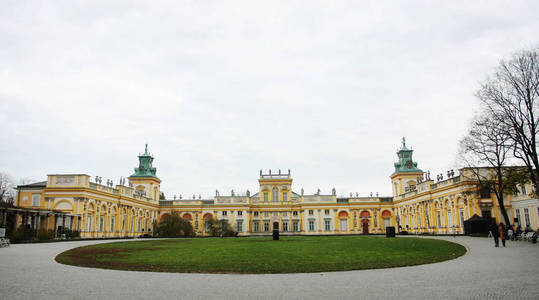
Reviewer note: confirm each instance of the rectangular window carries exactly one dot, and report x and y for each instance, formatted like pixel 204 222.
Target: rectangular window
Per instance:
pixel 256 214
pixel 523 189
pixel 25 199
pixel 344 224
pixel 484 192
pixel 295 226
pixel 68 222
pixel 285 214
pixel 90 222
pixel 461 212
pixel 311 225
pixel 239 225
pixel 265 197
pixel 112 223
pixel 275 195
pixel 327 225
pixel 276 214
pixel 326 212
pixel 266 227
pixel 224 213
pixel 285 196
pixel 285 226
pixel 101 223
pixel 310 212
pixel 527 217
pixel 295 213
pixel 439 224
pixel 36 198
pixel 240 213
pixel 266 214
pixel 517 213
pixel 256 226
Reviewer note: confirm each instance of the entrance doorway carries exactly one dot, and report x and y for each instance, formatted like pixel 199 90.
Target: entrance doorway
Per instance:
pixel 365 225
pixel 275 225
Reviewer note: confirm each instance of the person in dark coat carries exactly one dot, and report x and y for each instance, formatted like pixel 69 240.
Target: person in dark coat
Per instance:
pixel 495 233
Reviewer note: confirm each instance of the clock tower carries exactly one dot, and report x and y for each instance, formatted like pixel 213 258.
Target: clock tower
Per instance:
pixel 406 173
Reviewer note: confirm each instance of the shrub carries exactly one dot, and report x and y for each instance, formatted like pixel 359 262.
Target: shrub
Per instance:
pixel 45 235
pixel 220 228
pixel 23 233
pixel 69 234
pixel 174 226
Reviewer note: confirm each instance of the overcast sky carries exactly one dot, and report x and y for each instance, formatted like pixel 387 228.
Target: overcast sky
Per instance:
pixel 220 90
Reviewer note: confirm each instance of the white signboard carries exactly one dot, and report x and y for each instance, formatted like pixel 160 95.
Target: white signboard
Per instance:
pixel 2 232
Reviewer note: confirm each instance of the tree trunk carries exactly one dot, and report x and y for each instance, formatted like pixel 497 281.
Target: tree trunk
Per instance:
pixel 502 208
pixel 499 195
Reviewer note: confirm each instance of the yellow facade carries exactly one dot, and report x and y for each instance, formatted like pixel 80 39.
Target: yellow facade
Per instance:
pixel 418 205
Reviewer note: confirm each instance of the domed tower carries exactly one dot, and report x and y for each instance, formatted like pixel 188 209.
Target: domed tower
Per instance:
pixel 406 172
pixel 144 180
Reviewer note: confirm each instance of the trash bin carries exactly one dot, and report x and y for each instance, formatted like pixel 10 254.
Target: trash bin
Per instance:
pixel 275 234
pixel 390 231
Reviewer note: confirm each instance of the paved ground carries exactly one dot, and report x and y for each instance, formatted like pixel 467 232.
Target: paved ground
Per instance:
pixel 29 272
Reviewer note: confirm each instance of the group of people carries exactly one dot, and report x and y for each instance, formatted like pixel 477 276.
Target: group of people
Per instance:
pixel 503 232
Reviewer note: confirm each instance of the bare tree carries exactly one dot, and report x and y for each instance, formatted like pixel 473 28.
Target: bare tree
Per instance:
pixel 512 96
pixel 7 192
pixel 486 150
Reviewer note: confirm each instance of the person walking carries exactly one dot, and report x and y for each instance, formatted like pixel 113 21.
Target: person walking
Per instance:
pixel 501 230
pixel 495 233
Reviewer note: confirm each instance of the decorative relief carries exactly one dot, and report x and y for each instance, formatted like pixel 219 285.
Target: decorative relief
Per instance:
pixel 65 180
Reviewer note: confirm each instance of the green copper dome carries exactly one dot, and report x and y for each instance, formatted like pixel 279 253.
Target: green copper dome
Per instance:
pixel 405 163
pixel 145 168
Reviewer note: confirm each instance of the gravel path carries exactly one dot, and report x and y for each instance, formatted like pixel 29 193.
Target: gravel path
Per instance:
pixel 29 271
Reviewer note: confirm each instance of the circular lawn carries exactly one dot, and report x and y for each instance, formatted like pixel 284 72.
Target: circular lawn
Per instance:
pixel 298 254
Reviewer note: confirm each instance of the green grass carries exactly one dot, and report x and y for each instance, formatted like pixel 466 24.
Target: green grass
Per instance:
pixel 263 255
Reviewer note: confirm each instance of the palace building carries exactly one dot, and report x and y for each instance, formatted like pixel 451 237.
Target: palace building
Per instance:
pixel 418 205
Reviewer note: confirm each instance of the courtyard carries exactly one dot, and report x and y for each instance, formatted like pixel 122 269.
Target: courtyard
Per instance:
pixel 29 271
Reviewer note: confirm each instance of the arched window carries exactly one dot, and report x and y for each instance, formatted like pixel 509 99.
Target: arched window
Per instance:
pixel 275 194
